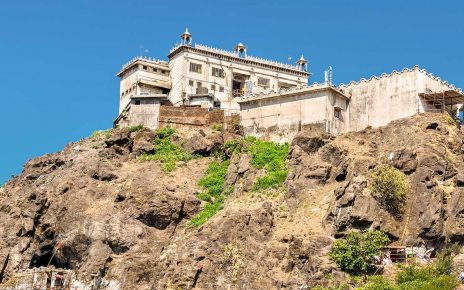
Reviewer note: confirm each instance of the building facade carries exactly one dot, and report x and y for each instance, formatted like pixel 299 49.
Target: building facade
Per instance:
pixel 272 99
pixel 379 100
pixel 280 115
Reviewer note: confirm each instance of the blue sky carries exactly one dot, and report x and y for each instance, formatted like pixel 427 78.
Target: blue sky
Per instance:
pixel 58 59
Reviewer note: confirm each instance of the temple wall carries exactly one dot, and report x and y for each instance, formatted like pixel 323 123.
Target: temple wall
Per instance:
pixel 380 100
pixel 280 118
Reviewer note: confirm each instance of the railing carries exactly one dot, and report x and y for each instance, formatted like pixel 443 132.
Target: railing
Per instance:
pixel 238 93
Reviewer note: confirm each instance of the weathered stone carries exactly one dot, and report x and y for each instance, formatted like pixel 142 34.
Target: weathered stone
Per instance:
pixel 143 141
pixel 232 174
pixel 320 173
pixel 404 160
pixel 244 164
pixel 308 143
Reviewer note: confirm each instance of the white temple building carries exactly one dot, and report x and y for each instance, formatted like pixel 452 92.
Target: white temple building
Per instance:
pixel 274 100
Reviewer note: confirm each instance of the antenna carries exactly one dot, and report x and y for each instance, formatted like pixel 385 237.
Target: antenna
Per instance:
pixel 328 76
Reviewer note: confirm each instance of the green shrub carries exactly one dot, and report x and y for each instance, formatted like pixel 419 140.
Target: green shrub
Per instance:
pixel 168 153
pixel 424 278
pixel 213 183
pixel 234 146
pixel 355 253
pixel 444 261
pixel 208 211
pixel 218 127
pixel 272 179
pixel 389 187
pixel 135 128
pixel 413 272
pixel 378 283
pixel 270 156
pixel 164 133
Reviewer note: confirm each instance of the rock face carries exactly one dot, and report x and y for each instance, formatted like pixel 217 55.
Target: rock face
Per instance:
pixel 96 211
pixel 429 152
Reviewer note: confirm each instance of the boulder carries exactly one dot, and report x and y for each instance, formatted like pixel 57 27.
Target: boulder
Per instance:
pixel 404 160
pixel 244 164
pixel 198 144
pixel 143 141
pixel 308 143
pixel 120 141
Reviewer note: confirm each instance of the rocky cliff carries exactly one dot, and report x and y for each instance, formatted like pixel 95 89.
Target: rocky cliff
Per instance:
pixel 96 209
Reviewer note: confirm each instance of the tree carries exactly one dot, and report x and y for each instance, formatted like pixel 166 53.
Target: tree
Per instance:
pixel 355 253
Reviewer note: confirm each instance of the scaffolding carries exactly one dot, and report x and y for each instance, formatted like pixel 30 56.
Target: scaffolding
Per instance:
pixel 440 102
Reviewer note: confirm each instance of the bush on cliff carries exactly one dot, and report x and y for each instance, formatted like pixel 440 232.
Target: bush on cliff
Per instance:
pixel 355 253
pixel 271 157
pixel 266 155
pixel 168 153
pixel 213 183
pixel 389 187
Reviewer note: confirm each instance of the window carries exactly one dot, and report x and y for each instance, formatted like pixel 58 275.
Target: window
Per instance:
pixel 195 67
pixel 155 70
pixel 163 72
pixel 213 87
pixel 145 67
pixel 338 113
pixel 263 82
pixel 198 84
pixel 137 102
pixel 191 83
pixel 217 72
pixel 221 89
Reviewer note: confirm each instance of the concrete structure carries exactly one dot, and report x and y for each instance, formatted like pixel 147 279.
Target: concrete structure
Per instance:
pixel 142 77
pixel 279 116
pixel 374 102
pixel 228 75
pixel 49 278
pixel 379 100
pixel 200 75
pixel 273 99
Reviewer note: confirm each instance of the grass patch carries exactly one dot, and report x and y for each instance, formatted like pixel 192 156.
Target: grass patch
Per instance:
pixel 234 146
pixel 232 257
pixel 106 133
pixel 413 278
pixel 450 120
pixel 213 183
pixel 218 127
pixel 166 152
pixel 270 156
pixel 264 155
pixel 389 187
pixel 135 128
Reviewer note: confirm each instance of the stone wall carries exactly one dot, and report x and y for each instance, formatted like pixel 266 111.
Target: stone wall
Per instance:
pixel 189 116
